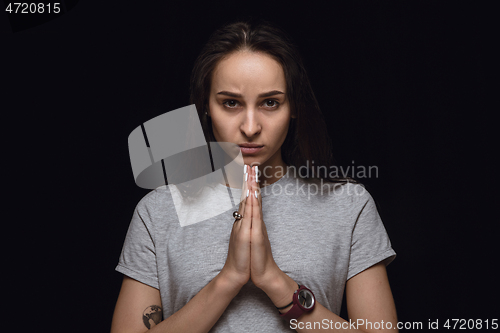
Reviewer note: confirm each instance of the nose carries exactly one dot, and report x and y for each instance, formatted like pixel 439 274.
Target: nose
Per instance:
pixel 250 125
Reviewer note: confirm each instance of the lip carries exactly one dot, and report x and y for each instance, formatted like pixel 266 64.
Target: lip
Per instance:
pixel 250 148
pixel 250 145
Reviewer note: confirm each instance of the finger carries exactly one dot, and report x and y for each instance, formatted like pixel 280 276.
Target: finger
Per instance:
pixel 259 192
pixel 236 227
pixel 244 188
pixel 247 217
pixel 245 175
pixel 246 221
pixel 255 186
pixel 256 208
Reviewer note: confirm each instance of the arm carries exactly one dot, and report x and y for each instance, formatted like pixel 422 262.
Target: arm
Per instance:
pixel 134 299
pixel 368 295
pixel 202 312
pixel 198 315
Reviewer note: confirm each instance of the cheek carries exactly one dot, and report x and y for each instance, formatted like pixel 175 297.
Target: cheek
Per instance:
pixel 220 129
pixel 214 123
pixel 215 130
pixel 282 130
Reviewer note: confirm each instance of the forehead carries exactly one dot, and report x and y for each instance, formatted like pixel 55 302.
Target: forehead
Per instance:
pixel 248 72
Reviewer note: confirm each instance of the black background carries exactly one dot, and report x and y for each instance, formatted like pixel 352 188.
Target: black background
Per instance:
pixel 407 86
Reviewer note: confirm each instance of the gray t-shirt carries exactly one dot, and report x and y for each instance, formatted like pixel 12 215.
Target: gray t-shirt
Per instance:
pixel 321 235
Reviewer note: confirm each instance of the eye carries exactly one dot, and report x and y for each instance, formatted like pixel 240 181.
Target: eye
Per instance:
pixel 230 103
pixel 271 103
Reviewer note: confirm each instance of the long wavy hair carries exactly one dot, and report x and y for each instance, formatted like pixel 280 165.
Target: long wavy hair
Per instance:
pixel 307 138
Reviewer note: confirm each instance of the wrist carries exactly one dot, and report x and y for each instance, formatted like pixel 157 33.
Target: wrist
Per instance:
pixel 303 302
pixel 280 290
pixel 228 284
pixel 285 309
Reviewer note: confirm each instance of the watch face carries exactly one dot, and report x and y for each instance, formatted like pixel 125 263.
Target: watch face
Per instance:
pixel 306 299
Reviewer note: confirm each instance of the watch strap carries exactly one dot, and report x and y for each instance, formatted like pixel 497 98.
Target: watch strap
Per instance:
pixel 284 307
pixel 296 311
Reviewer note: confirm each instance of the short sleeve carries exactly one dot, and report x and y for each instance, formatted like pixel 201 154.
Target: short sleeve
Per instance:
pixel 370 243
pixel 138 257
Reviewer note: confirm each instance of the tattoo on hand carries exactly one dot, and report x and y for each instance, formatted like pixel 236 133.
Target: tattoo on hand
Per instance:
pixel 152 316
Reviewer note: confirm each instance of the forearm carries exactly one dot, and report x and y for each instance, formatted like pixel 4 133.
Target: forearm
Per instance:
pixel 203 310
pixel 280 291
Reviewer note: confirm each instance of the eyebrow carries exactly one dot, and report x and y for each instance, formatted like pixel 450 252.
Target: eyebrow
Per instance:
pixel 266 94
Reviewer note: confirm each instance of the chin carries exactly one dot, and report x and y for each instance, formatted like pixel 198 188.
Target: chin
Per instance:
pixel 253 160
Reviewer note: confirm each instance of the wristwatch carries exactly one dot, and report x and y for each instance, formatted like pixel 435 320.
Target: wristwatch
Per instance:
pixel 303 301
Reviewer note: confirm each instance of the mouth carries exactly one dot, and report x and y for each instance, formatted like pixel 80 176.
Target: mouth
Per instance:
pixel 250 148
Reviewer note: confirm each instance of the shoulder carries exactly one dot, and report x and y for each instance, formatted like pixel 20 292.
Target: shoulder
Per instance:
pixel 150 202
pixel 167 207
pixel 348 199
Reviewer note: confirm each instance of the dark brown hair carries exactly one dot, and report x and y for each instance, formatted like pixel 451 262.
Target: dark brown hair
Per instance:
pixel 307 138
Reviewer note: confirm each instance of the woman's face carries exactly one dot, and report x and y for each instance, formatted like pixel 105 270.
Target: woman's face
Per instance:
pixel 248 106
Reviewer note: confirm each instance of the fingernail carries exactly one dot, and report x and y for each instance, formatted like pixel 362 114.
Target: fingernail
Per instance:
pixel 248 192
pixel 246 176
pixel 256 174
pixel 245 169
pixel 256 195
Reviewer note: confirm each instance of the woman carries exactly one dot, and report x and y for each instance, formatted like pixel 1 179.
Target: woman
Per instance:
pixel 300 234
